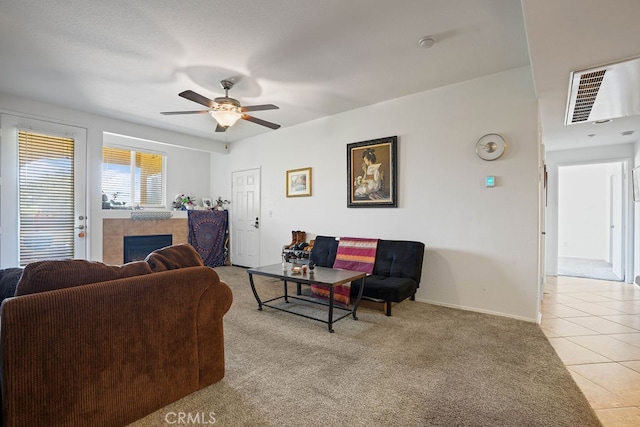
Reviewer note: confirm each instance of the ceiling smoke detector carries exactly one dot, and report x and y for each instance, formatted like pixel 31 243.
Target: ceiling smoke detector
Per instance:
pixel 426 42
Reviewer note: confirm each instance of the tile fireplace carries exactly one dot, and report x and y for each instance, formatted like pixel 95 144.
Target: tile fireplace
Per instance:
pixel 136 248
pixel 115 229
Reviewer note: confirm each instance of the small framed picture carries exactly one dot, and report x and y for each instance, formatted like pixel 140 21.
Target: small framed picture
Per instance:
pixel 299 182
pixel 207 203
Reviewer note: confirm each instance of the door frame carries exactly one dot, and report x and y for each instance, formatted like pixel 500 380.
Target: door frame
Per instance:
pixel 552 212
pixel 617 234
pixel 9 215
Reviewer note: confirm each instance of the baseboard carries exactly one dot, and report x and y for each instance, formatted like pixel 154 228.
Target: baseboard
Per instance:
pixel 474 309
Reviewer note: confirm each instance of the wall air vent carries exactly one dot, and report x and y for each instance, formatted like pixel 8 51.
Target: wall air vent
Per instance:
pixel 604 93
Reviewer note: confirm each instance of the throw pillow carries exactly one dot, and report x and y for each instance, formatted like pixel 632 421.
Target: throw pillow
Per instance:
pixel 173 257
pixel 41 276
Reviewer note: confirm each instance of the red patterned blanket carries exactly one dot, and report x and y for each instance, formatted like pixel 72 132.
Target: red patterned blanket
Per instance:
pixel 355 254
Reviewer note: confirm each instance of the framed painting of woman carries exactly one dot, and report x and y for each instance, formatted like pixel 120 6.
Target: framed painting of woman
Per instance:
pixel 372 173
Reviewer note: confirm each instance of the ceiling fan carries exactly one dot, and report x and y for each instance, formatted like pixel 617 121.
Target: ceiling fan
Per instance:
pixel 226 111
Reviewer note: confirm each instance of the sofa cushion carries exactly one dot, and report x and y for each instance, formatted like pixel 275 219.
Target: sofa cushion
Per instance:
pixel 174 257
pixel 324 251
pixel 9 278
pixel 41 276
pixel 399 258
pixel 385 288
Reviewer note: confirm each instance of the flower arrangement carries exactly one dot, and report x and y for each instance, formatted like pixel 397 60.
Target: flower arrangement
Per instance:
pixel 183 202
pixel 219 204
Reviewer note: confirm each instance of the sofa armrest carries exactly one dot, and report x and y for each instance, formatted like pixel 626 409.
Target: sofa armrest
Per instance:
pixel 92 354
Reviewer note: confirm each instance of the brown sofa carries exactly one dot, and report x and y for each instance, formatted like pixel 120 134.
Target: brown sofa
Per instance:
pixel 108 353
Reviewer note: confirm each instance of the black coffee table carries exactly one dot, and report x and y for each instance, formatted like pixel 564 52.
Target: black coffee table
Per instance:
pixel 330 277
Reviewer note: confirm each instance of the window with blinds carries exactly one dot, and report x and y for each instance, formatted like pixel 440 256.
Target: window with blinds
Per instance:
pixel 46 193
pixel 131 178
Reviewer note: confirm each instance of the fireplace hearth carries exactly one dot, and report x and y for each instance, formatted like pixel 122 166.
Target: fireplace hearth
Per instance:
pixel 136 248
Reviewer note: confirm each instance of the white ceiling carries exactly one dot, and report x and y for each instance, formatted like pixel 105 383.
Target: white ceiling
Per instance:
pixel 130 59
pixel 572 35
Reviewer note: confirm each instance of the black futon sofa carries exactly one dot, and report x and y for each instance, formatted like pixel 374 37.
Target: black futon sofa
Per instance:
pixel 396 272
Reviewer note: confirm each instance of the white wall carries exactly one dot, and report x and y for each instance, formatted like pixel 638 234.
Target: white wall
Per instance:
pixel 555 159
pixel 481 243
pixel 188 166
pixel 584 204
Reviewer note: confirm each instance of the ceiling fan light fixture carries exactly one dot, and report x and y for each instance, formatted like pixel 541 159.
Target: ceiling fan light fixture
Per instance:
pixel 226 114
pixel 224 110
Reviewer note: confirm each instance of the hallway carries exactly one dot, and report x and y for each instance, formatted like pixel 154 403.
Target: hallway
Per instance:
pixel 586 268
pixel 594 327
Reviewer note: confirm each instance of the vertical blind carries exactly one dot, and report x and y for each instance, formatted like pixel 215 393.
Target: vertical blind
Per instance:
pixel 132 178
pixel 46 197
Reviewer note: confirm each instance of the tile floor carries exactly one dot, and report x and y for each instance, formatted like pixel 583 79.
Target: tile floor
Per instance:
pixel 594 326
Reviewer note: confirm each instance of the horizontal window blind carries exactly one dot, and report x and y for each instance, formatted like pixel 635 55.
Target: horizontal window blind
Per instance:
pixel 116 175
pixel 46 192
pixel 148 179
pixel 131 178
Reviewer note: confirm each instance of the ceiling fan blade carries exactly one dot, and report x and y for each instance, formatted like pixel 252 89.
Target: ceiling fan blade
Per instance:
pixel 169 113
pixel 195 97
pixel 259 107
pixel 260 121
pixel 221 128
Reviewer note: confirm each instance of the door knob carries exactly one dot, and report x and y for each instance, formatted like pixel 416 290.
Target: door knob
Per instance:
pixel 256 224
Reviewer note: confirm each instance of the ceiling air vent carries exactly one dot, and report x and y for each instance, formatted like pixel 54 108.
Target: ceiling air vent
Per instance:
pixel 587 92
pixel 604 93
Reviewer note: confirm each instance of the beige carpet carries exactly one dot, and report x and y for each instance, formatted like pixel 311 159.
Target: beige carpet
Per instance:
pixel 426 365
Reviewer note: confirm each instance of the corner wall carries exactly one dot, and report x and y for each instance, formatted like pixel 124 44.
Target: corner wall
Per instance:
pixel 481 243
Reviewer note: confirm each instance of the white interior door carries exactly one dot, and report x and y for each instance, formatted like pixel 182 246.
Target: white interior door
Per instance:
pixel 48 181
pixel 245 218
